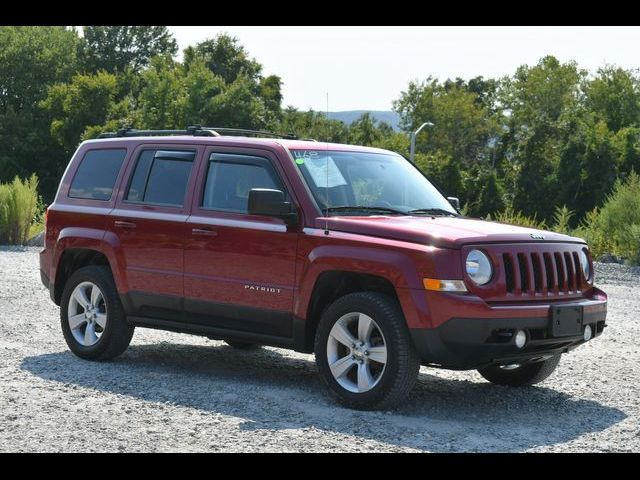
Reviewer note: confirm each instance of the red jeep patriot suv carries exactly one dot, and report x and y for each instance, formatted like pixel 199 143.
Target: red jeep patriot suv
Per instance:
pixel 345 251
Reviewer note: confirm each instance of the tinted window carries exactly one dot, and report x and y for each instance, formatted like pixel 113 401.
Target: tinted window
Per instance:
pixel 231 177
pixel 161 177
pixel 97 174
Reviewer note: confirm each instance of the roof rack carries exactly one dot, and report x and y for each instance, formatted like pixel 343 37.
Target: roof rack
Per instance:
pixel 196 131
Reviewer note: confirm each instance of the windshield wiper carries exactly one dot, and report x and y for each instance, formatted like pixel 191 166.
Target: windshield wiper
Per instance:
pixel 433 211
pixel 343 208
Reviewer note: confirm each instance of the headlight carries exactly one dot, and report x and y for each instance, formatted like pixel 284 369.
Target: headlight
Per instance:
pixel 479 267
pixel 584 263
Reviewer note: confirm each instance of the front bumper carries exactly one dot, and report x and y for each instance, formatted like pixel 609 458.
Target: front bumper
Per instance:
pixel 470 341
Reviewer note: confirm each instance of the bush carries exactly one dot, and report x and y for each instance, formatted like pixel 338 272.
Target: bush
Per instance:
pixel 615 227
pixel 561 219
pixel 512 217
pixel 19 208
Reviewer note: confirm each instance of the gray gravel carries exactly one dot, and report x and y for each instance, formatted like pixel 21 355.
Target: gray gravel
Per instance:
pixel 172 392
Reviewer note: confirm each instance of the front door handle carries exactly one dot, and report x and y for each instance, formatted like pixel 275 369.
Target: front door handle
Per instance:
pixel 124 224
pixel 208 232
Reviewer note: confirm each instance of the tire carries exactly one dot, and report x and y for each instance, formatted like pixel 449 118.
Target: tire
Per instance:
pixel 522 376
pixel 115 333
pixel 240 345
pixel 389 340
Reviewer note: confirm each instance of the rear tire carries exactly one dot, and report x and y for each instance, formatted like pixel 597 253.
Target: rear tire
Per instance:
pixel 523 375
pixel 93 321
pixel 240 345
pixel 364 352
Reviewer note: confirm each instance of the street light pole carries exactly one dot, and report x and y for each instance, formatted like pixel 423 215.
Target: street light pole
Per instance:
pixel 413 139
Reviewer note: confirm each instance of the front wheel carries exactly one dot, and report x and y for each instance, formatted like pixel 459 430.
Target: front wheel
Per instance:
pixel 520 375
pixel 364 351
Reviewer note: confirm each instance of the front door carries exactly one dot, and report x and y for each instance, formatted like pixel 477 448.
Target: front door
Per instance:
pixel 239 268
pixel 149 220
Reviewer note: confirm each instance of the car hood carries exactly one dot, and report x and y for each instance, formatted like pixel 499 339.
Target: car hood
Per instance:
pixel 447 232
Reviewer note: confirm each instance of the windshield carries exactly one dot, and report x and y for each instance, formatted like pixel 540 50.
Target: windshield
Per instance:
pixel 368 184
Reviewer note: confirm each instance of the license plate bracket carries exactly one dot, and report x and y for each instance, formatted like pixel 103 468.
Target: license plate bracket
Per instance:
pixel 566 320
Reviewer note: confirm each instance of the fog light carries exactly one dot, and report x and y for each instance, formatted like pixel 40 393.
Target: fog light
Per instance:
pixel 587 333
pixel 521 338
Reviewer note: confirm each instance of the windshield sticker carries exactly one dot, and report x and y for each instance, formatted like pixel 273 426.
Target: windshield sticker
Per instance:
pixel 323 170
pixel 300 161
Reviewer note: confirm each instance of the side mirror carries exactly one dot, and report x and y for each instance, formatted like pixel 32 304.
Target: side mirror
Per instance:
pixel 455 202
pixel 271 203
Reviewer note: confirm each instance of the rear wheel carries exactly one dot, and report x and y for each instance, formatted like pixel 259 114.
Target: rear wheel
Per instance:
pixel 93 321
pixel 521 375
pixel 364 352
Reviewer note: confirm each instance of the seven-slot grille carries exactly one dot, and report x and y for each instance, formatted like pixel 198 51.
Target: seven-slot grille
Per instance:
pixel 532 271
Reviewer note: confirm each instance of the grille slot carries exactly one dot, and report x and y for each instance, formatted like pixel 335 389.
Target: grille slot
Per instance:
pixel 524 272
pixel 571 277
pixel 578 276
pixel 537 273
pixel 562 283
pixel 548 267
pixel 508 272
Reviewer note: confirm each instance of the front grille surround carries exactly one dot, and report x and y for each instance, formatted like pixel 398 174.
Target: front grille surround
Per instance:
pixel 531 271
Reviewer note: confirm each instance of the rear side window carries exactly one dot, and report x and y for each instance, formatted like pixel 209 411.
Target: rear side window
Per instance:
pixel 97 174
pixel 230 177
pixel 161 177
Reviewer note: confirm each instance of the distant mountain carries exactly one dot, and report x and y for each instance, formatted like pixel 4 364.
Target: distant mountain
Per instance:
pixel 349 116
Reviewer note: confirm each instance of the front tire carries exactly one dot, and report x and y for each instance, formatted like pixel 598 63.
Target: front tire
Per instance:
pixel 364 352
pixel 93 321
pixel 520 375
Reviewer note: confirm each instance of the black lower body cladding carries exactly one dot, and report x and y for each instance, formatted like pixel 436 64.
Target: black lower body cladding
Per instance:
pixel 471 343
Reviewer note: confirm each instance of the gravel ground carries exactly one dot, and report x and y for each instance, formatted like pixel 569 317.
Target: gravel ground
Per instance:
pixel 172 392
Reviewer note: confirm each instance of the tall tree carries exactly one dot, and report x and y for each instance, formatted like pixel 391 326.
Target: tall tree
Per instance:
pixel 224 56
pixel 543 104
pixel 31 60
pixel 614 97
pixel 117 48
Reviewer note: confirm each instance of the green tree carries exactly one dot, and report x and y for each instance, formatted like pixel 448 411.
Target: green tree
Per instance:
pixel 314 125
pixel 614 97
pixel 225 57
pixel 84 102
pixel 543 107
pixel 367 131
pixel 31 60
pixel 463 126
pixel 118 48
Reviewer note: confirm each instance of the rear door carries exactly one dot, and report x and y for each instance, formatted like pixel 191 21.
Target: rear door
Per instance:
pixel 149 221
pixel 239 268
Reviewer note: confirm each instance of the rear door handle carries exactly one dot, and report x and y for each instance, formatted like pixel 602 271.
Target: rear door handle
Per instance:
pixel 124 224
pixel 208 232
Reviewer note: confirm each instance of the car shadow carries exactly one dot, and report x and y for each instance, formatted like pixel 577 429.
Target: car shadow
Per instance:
pixel 270 390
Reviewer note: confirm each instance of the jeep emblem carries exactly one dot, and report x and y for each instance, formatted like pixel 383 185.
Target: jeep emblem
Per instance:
pixel 537 236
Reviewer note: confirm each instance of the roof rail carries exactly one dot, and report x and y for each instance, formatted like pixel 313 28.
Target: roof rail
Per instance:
pixel 196 131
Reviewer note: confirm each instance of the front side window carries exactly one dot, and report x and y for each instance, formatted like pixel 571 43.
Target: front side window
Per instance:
pixel 97 174
pixel 230 178
pixel 361 183
pixel 161 177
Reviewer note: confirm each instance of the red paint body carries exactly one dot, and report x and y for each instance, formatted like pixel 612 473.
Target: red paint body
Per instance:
pixel 198 254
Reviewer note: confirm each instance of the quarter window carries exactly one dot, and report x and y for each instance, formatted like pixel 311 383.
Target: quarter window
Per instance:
pixel 97 173
pixel 230 177
pixel 161 177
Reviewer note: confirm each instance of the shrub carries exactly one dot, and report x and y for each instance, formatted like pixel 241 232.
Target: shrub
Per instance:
pixel 512 217
pixel 615 227
pixel 561 218
pixel 19 207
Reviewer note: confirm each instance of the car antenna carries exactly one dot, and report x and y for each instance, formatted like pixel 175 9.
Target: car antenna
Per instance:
pixel 326 160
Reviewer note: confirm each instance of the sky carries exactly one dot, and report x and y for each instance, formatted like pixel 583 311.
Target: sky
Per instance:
pixel 366 68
